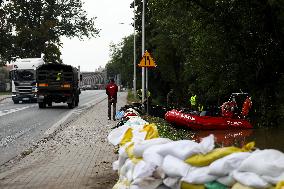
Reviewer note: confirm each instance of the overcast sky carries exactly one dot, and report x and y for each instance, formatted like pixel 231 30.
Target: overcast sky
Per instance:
pixel 94 52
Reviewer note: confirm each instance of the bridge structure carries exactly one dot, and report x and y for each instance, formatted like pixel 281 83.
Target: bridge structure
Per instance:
pixel 94 80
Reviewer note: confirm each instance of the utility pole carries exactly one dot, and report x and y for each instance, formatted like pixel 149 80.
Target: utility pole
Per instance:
pixel 134 55
pixel 143 51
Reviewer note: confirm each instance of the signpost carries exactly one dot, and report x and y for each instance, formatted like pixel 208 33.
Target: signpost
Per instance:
pixel 146 62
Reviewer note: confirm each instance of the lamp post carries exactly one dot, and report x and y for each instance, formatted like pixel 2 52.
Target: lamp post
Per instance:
pixel 134 54
pixel 143 51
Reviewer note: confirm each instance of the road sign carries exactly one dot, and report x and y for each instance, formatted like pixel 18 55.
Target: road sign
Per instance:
pixel 147 61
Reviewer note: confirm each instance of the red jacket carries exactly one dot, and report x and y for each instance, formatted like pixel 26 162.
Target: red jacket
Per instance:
pixel 111 90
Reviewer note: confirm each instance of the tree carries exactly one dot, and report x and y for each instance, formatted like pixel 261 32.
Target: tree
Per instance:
pixel 35 25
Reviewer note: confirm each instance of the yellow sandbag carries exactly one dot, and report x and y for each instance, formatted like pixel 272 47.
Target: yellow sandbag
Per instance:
pixel 151 130
pixel 129 151
pixel 185 185
pixel 201 160
pixel 121 184
pixel 240 186
pixel 127 137
pixel 280 185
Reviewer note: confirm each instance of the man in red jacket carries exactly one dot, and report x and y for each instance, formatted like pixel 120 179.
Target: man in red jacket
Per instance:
pixel 111 91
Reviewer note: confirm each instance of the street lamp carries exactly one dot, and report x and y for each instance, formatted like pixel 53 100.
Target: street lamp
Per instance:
pixel 134 53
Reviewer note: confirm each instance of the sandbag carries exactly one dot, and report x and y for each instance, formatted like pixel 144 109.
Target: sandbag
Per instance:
pixel 175 167
pixel 116 135
pixel 205 160
pixel 273 180
pixel 172 182
pixel 271 161
pixel 151 130
pixel 240 186
pixel 179 149
pixel 143 170
pixel 146 183
pixel 199 175
pixel 185 185
pixel 224 166
pixel 129 152
pixel 280 185
pixel 127 137
pixel 250 179
pixel 227 180
pixel 215 185
pixel 140 147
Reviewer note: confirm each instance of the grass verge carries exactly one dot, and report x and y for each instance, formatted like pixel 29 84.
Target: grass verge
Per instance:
pixel 5 93
pixel 166 130
pixel 132 98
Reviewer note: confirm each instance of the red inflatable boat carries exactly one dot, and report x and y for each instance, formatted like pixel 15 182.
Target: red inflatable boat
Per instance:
pixel 197 122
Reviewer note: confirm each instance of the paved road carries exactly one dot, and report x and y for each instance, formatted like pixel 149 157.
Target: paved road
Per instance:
pixel 22 125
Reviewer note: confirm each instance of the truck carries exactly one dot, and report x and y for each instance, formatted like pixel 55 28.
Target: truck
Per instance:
pixel 57 83
pixel 23 79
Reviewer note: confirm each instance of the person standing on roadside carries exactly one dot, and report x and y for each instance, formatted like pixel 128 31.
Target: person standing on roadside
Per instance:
pixel 111 91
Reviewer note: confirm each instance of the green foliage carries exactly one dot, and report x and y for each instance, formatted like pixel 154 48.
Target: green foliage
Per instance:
pixel 131 97
pixel 166 130
pixel 122 61
pixel 30 28
pixel 214 48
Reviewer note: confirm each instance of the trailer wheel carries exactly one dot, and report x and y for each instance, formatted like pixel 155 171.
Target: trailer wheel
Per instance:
pixel 41 105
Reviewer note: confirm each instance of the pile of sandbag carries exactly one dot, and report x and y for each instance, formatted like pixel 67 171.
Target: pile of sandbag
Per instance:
pixel 147 161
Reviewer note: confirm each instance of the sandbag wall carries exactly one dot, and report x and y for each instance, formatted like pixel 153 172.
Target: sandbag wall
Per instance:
pixel 147 161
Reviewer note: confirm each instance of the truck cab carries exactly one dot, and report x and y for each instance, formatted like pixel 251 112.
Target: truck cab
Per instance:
pixel 23 77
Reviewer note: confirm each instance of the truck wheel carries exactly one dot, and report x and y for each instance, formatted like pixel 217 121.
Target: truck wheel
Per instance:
pixel 77 101
pixel 72 104
pixel 41 105
pixel 49 104
pixel 16 102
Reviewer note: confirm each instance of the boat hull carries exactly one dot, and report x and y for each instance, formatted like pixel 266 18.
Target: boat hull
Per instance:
pixel 197 122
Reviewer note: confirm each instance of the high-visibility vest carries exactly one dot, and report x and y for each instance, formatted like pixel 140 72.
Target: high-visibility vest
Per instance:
pixel 193 100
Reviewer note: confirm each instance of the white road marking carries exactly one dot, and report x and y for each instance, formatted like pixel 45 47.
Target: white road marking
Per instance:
pixel 6 112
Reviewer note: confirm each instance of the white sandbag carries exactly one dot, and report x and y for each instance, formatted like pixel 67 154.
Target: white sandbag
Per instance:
pixel 138 136
pixel 126 171
pixel 273 180
pixel 207 144
pixel 116 135
pixel 162 186
pixel 227 164
pixel 227 180
pixel 139 148
pixel 250 179
pixel 183 149
pixel 152 156
pixel 143 170
pixel 146 183
pixel 268 162
pixel 175 167
pixel 199 176
pixel 122 156
pixel 172 182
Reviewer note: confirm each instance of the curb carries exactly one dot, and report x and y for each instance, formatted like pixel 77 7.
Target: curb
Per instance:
pixel 1 99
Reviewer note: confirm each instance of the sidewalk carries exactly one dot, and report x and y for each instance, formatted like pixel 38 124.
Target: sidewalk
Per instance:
pixel 3 97
pixel 78 157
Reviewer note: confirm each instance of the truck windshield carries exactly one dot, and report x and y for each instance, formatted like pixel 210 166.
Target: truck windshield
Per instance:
pixel 23 75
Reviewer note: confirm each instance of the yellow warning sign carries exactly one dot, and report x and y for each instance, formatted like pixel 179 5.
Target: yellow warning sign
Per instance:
pixel 147 60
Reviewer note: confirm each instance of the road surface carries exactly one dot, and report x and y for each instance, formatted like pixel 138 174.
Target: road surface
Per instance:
pixel 23 125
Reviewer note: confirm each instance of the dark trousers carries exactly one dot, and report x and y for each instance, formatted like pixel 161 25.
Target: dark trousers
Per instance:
pixel 113 103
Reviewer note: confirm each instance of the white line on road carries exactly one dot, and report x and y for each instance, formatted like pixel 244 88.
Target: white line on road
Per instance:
pixel 6 112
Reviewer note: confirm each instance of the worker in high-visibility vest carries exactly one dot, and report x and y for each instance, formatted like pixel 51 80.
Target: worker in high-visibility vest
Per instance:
pixel 193 102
